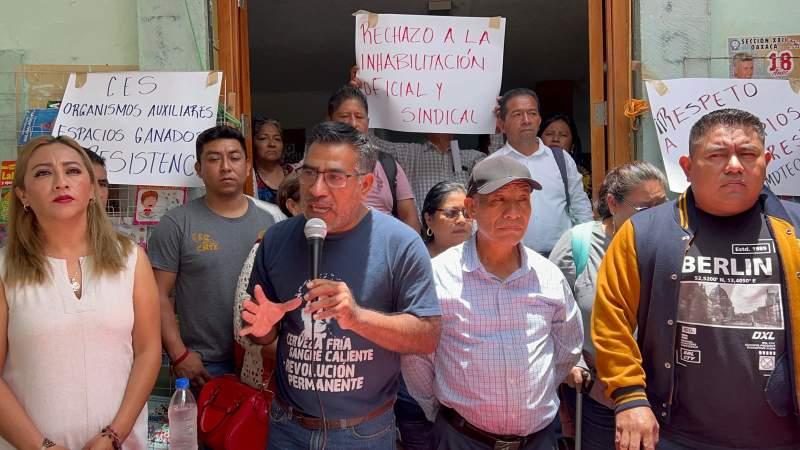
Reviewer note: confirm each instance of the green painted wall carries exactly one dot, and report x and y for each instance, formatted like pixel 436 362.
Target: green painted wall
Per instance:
pixel 71 32
pixel 173 35
pixel 153 34
pixel 734 18
pixel 665 35
pixel 60 32
pixel 8 101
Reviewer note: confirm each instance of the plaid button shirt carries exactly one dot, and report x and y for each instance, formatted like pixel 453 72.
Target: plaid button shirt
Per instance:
pixel 505 347
pixel 425 165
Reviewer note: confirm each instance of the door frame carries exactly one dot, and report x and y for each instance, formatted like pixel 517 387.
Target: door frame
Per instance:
pixel 233 59
pixel 610 86
pixel 598 106
pixel 610 78
pixel 619 81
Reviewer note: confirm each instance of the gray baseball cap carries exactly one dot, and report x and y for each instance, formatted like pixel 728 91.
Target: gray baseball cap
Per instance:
pixel 493 173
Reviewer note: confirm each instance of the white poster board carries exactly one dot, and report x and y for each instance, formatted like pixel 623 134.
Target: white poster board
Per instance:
pixel 676 105
pixel 430 73
pixel 143 123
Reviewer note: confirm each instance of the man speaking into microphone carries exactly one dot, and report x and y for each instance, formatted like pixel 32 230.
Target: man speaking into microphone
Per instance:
pixel 340 335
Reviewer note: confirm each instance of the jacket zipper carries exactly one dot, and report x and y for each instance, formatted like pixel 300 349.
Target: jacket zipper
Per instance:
pixel 785 305
pixel 675 327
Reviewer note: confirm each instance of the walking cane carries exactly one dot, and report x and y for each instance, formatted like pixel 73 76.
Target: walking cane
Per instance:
pixel 578 414
pixel 579 408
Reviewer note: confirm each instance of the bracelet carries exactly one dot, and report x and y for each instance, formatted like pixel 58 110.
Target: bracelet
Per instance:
pixel 180 359
pixel 110 433
pixel 47 443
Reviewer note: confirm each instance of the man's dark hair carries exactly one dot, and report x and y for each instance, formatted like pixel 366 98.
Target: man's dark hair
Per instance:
pixel 729 117
pixel 342 133
pixel 289 189
pixel 217 132
pixel 94 157
pixel 513 93
pixel 344 94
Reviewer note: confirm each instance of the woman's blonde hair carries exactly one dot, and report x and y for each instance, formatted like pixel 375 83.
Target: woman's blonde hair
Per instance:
pixel 26 261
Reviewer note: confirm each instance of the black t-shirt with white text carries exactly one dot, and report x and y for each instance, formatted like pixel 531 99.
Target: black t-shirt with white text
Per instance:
pixel 730 337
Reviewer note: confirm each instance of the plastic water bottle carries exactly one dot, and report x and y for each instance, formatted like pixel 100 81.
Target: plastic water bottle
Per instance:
pixel 182 417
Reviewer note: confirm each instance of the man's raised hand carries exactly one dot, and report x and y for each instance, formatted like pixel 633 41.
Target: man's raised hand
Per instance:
pixel 263 314
pixel 354 80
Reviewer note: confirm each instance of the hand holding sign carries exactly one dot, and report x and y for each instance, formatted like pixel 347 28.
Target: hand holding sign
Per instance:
pixel 354 80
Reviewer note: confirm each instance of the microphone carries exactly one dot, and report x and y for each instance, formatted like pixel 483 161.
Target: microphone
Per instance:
pixel 315 231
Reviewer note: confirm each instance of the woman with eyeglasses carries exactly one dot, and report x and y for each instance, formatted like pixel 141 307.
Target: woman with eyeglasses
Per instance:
pixel 444 219
pixel 626 190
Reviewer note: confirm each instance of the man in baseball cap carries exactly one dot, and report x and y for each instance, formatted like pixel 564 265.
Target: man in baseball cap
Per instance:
pixel 511 330
pixel 490 175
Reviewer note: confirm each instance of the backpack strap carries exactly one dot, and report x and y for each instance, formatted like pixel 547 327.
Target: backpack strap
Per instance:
pixel 558 154
pixel 390 169
pixel 581 244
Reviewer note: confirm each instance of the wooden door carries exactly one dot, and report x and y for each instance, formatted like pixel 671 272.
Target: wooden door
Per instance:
pixel 610 86
pixel 233 58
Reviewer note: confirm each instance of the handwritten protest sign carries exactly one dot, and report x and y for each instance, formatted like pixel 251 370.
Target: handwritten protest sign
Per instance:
pixel 430 73
pixel 144 123
pixel 677 104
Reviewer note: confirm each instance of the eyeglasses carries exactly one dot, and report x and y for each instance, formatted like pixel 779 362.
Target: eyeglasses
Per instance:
pixel 642 208
pixel 335 180
pixel 452 213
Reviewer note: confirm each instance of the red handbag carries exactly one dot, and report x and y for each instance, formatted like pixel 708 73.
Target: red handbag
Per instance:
pixel 233 415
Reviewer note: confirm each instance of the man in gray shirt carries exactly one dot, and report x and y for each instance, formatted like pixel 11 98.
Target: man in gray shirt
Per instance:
pixel 198 250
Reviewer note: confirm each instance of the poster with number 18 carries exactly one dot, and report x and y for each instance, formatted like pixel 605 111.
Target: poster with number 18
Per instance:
pixel 776 57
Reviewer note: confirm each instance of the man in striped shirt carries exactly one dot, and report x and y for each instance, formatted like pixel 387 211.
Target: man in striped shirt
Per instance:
pixel 511 330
